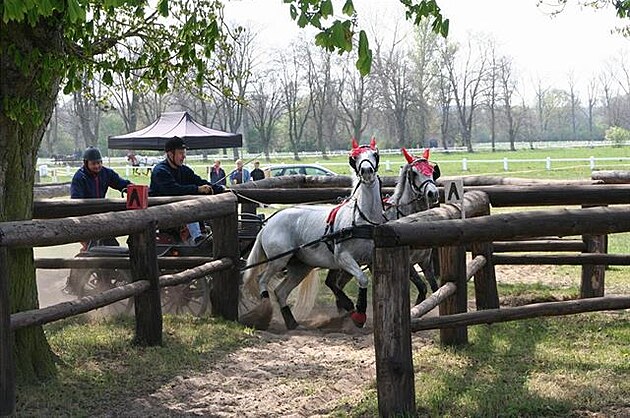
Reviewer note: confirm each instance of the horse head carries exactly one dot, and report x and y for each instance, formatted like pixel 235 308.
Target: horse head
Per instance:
pixel 364 160
pixel 422 175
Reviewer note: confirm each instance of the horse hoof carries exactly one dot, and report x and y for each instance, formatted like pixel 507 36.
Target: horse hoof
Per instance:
pixel 260 317
pixel 358 318
pixel 289 320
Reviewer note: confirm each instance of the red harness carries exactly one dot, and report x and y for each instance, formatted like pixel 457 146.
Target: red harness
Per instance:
pixel 330 220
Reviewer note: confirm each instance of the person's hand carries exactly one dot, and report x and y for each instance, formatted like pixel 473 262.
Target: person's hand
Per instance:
pixel 205 189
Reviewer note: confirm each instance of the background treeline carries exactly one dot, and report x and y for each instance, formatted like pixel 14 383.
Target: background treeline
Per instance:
pixel 423 90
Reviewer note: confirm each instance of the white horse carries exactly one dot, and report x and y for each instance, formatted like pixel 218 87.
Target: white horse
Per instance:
pixel 302 238
pixel 415 191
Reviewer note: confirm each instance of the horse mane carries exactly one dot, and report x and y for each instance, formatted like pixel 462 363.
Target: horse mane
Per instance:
pixel 401 184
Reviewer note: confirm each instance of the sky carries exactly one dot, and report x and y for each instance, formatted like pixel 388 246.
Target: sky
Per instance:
pixel 578 41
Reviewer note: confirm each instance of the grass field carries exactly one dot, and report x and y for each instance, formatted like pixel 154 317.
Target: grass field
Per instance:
pixel 573 366
pixel 478 163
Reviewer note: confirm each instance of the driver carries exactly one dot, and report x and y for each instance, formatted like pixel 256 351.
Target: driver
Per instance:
pixel 171 177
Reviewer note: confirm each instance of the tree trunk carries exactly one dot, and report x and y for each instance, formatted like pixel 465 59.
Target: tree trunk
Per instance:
pixel 29 102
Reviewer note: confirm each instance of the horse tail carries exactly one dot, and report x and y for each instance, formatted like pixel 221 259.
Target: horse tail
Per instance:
pixel 306 294
pixel 250 293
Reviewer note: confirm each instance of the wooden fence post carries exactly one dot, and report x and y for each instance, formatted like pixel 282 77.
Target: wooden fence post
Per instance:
pixel 486 293
pixel 224 289
pixel 392 332
pixel 144 266
pixel 453 269
pixel 593 275
pixel 7 364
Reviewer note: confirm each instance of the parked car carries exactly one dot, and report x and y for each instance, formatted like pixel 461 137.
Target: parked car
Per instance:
pixel 295 169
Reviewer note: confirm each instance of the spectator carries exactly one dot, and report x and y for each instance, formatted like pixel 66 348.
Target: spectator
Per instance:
pixel 217 174
pixel 171 177
pixel 240 174
pixel 257 173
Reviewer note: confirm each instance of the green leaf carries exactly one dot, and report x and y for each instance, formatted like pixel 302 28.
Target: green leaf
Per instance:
pixel 364 62
pixel 341 36
pixel 326 8
pixel 348 8
pixel 162 7
pixel 321 39
pixel 293 12
pixel 107 78
pixel 76 13
pixel 302 21
pixel 162 86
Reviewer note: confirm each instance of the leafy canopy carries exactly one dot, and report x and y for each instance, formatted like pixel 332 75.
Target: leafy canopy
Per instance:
pixel 173 38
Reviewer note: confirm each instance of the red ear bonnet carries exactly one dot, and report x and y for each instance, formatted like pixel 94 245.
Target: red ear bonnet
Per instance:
pixel 373 143
pixel 355 144
pixel 408 156
pixel 425 154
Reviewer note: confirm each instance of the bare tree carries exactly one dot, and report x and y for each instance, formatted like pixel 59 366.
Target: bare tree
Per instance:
pixel 233 69
pixel 394 70
pixel 508 89
pixel 574 103
pixel 88 111
pixel 443 90
pixel 265 107
pixel 296 103
pixel 492 91
pixel 424 56
pixel 591 100
pixel 126 99
pixel 467 87
pixel 321 94
pixel 354 95
pixel 610 97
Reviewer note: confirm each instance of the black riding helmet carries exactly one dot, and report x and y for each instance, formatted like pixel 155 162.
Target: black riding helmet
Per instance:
pixel 92 154
pixel 174 143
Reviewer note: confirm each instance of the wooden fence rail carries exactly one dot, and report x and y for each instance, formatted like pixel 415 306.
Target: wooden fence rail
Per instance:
pixel 534 310
pixel 393 241
pixel 140 225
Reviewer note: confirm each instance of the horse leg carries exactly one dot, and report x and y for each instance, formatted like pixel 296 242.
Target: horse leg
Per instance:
pixel 419 283
pixel 346 261
pixel 428 268
pixel 260 316
pixel 336 280
pixel 296 272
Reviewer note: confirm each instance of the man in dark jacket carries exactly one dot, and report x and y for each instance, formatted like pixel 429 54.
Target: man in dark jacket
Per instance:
pixel 171 177
pixel 257 173
pixel 93 179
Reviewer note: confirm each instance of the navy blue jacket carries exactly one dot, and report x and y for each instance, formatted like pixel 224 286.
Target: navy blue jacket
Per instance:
pixel 86 185
pixel 180 181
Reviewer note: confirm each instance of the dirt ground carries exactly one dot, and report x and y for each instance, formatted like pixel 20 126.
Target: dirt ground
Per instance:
pixel 301 373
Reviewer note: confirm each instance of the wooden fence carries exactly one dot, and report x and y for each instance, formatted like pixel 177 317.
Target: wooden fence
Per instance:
pixel 395 380
pixel 140 225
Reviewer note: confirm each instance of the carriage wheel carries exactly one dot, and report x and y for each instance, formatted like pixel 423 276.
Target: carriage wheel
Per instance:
pixel 92 282
pixel 190 298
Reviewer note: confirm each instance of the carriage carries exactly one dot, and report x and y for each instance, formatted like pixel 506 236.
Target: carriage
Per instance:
pixel 192 298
